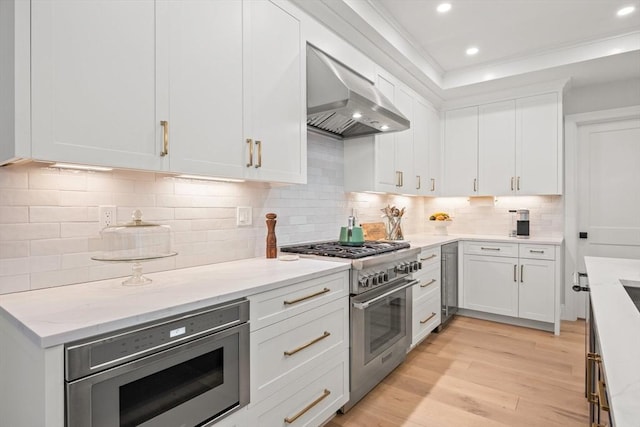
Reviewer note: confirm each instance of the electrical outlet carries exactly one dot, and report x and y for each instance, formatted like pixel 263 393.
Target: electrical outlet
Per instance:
pixel 243 215
pixel 106 215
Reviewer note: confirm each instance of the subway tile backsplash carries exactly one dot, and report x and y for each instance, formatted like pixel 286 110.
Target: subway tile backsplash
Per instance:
pixel 49 217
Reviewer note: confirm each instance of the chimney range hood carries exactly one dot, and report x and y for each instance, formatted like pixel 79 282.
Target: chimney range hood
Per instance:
pixel 343 104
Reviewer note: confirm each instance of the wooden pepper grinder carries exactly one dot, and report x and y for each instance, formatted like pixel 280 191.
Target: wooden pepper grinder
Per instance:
pixel 272 247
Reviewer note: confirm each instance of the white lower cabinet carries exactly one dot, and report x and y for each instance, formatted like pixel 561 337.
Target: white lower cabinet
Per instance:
pixel 517 280
pixel 426 308
pixel 299 352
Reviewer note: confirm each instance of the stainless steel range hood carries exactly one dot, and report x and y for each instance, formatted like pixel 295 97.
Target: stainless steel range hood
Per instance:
pixel 343 104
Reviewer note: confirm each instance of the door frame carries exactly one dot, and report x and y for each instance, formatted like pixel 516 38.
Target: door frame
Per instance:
pixel 572 124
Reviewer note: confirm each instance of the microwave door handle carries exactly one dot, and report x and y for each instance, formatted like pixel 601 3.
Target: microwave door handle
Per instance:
pixel 363 305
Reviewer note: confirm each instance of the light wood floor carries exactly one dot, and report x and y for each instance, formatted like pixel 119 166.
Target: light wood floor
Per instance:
pixel 480 373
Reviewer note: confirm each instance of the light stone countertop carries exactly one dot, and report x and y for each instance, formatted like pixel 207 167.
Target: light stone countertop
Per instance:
pixel 425 240
pixel 54 316
pixel 618 323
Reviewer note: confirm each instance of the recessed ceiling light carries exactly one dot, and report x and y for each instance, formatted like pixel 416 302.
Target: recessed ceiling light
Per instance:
pixel 444 7
pixel 356 115
pixel 472 51
pixel 626 10
pixel 384 127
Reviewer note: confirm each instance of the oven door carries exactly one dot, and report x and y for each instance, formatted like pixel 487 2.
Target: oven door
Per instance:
pixel 189 385
pixel 380 331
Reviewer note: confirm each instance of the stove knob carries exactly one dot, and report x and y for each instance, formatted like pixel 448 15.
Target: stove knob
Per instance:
pixel 381 278
pixel 415 265
pixel 374 279
pixel 386 277
pixel 419 265
pixel 363 281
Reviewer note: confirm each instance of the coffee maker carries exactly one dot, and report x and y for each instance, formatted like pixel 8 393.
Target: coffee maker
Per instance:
pixel 522 223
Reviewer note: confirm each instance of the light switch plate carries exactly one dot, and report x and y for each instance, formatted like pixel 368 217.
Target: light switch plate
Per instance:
pixel 243 216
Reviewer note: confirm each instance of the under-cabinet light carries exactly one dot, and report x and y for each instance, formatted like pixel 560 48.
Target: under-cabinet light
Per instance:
pixel 384 127
pixel 209 178
pixel 356 115
pixel 80 167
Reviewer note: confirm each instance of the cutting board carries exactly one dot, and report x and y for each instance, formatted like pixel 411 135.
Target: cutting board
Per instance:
pixel 374 230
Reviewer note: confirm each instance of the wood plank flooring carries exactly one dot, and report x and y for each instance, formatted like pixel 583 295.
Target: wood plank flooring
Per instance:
pixel 481 373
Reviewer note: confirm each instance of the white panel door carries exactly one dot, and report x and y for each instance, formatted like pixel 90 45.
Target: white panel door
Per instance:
pixel 497 148
pixel 608 193
pixel 435 153
pixel 274 93
pixel 490 284
pixel 536 298
pixel 93 74
pixel 537 160
pixel 205 72
pixel 421 132
pixel 460 152
pixel 404 144
pixel 386 178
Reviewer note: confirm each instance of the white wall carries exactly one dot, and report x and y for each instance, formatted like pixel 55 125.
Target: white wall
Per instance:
pixel 623 93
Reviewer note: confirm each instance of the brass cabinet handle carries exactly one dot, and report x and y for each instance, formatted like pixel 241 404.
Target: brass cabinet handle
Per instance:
pixel 602 396
pixel 475 184
pixel 433 184
pixel 401 179
pixel 250 142
pixel 486 248
pixel 310 343
pixel 424 285
pixel 259 144
pixel 297 300
pixel 398 179
pixel 428 318
pixel 308 407
pixel 592 358
pixel 512 183
pixel 419 184
pixel 515 273
pixel 518 184
pixel 165 137
pixel 522 273
pixel 429 257
pixel 535 252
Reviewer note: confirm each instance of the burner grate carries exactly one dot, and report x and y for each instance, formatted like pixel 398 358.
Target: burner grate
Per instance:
pixel 335 249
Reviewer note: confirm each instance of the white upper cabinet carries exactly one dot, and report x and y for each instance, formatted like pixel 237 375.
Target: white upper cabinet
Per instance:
pixel 497 148
pixel 538 148
pixel 94 93
pixel 176 86
pixel 404 141
pixel 461 152
pixel 426 148
pixel 205 71
pixel 386 165
pixel 275 94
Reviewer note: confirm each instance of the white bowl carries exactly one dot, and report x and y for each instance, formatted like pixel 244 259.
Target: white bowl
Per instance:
pixel 440 227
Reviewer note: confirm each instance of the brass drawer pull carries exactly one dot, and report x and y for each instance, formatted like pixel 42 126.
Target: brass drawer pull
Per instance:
pixel 310 343
pixel 515 273
pixel 428 318
pixel 592 358
pixel 518 183
pixel 165 137
pixel 308 407
pixel 424 285
pixel 250 142
pixel 259 144
pixel 522 273
pixel 429 257
pixel 602 396
pixel 433 184
pixel 419 184
pixel 489 249
pixel 475 184
pixel 511 183
pixel 297 300
pixel 535 252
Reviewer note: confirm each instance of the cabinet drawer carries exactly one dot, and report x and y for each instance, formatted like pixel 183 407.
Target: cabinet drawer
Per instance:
pixel 533 251
pixel 273 306
pixel 499 249
pixel 426 316
pixel 296 346
pixel 429 280
pixel 313 400
pixel 429 256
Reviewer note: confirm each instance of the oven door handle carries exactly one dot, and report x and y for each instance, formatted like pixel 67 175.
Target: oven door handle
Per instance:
pixel 363 305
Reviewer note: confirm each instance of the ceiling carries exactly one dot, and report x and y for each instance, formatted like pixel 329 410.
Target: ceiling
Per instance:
pixel 520 42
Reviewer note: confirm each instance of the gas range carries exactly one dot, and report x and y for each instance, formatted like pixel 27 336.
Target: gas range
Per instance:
pixel 373 264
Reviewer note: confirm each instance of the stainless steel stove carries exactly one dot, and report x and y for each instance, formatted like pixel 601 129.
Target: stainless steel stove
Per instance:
pixel 380 307
pixel 373 264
